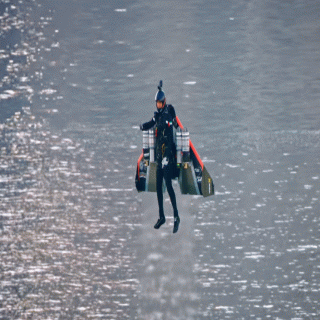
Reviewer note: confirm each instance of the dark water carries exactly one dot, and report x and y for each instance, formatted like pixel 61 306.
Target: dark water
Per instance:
pixel 77 79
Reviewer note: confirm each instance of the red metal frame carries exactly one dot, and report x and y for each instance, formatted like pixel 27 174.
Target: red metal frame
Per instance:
pixel 138 164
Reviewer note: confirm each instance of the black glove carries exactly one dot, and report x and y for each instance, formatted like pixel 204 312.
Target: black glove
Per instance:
pixel 175 123
pixel 141 127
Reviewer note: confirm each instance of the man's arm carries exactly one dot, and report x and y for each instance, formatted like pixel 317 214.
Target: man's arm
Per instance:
pixel 148 125
pixel 173 115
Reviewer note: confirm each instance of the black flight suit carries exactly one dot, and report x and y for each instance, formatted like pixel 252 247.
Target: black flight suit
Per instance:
pixel 164 120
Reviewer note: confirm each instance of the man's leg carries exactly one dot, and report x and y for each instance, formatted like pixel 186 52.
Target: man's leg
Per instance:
pixel 167 177
pixel 162 218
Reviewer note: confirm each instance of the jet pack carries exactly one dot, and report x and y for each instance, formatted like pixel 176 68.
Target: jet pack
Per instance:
pixel 190 172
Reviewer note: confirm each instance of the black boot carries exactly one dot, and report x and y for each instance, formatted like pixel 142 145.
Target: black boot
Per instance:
pixel 160 222
pixel 176 224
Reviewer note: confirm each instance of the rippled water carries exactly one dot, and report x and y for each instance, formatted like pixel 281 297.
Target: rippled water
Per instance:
pixel 64 236
pixel 77 240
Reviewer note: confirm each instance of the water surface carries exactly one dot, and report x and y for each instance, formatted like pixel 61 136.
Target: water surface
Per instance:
pixel 77 240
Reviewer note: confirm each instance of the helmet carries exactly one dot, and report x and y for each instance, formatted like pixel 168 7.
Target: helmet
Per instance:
pixel 160 96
